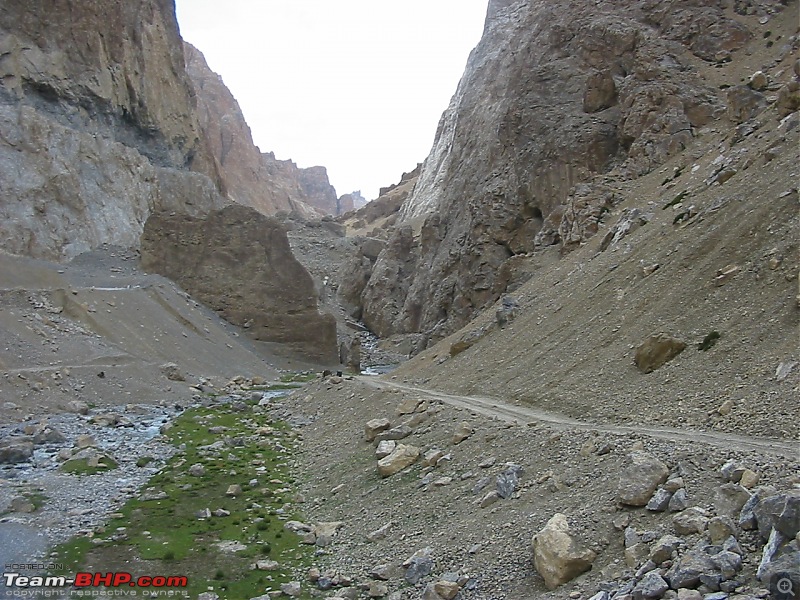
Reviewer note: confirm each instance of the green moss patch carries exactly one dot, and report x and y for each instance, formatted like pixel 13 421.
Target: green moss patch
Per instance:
pixel 81 466
pixel 168 530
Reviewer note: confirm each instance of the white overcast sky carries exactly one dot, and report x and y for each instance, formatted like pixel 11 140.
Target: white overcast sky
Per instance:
pixel 355 85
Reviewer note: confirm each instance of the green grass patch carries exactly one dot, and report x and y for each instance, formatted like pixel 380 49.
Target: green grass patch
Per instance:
pixel 298 377
pixel 165 535
pixel 80 466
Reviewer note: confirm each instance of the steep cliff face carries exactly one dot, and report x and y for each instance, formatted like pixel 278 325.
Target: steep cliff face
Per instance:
pixel 98 124
pixel 558 101
pixel 251 177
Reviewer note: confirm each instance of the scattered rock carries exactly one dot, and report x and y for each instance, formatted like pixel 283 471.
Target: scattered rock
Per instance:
pixel 376 589
pixel 489 499
pixel 418 566
pixel 758 81
pixel 462 432
pixel 652 585
pixel 432 457
pixel 691 520
pixel 396 433
pixel 784 369
pixel 660 500
pixel 687 571
pixel 21 504
pixel 291 589
pixel 679 501
pixel 379 533
pixel 382 572
pixel 446 589
pixel 656 351
pixel 409 406
pixel 374 427
pixel 325 532
pixel 780 512
pixel 85 441
pixel 732 471
pixel 663 548
pixel 16 451
pixel 402 457
pixel 506 482
pixel 730 498
pixel 557 556
pixel 385 448
pixel 172 372
pixel 234 490
pixel 640 479
pixel 78 406
pixel 720 529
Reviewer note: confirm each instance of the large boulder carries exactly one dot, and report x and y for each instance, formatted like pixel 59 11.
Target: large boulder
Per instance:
pixel 557 556
pixel 656 351
pixel 238 261
pixel 402 457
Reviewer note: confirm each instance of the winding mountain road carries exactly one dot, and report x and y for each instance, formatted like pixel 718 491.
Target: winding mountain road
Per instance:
pixel 510 413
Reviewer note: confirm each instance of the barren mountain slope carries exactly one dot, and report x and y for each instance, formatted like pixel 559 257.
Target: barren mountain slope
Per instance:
pixel 98 330
pixel 725 260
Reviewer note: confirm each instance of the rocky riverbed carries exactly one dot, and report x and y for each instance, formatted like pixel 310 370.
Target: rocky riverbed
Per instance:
pixel 42 505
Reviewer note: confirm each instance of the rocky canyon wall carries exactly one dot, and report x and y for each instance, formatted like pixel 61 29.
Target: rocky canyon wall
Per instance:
pixel 251 177
pixel 98 125
pixel 557 102
pixel 104 140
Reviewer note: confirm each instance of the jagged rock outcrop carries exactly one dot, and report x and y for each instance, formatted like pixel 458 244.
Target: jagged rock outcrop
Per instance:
pixel 371 225
pixel 318 190
pixel 350 202
pixel 251 177
pixel 558 101
pixel 238 261
pixel 98 125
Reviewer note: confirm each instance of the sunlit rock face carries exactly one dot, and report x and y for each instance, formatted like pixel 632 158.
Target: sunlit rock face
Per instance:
pixel 251 177
pixel 101 143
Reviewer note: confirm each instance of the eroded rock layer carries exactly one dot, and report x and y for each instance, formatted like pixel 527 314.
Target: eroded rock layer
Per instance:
pixel 238 262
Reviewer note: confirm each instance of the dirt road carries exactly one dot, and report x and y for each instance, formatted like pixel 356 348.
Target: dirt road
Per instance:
pixel 510 413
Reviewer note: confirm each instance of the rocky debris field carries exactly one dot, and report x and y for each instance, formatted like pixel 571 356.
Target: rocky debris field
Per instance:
pixel 437 502
pixel 64 474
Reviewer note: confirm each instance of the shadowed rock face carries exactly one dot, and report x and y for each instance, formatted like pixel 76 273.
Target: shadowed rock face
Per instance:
pixel 558 101
pixel 238 261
